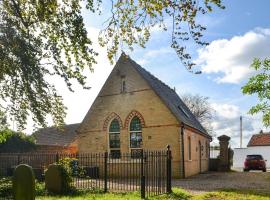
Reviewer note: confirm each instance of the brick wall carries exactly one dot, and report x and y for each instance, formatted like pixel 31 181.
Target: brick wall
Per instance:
pixel 160 127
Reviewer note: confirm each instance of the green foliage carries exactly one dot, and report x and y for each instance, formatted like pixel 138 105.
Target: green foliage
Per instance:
pixel 131 24
pixel 7 191
pixel 66 173
pixel 3 121
pixel 15 142
pixel 40 189
pixel 40 39
pixel 23 183
pixel 5 187
pixel 259 85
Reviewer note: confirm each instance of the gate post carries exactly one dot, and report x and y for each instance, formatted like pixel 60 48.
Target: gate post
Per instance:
pixel 142 176
pixel 224 153
pixel 169 170
pixel 105 171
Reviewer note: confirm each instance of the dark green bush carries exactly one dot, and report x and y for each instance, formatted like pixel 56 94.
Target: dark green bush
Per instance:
pixel 66 172
pixel 5 187
pixel 7 192
pixel 15 142
pixel 40 189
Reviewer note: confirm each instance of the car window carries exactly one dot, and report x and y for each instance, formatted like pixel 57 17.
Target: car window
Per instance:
pixel 254 157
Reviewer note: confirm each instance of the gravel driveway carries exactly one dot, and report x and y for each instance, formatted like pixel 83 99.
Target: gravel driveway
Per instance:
pixel 212 181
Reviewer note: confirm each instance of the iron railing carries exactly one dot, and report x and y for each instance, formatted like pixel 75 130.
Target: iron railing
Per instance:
pixel 148 172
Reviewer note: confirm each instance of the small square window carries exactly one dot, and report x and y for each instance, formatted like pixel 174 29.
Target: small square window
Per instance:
pixel 136 153
pixel 115 154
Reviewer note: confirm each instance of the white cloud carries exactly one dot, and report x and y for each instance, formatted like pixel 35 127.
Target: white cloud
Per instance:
pixel 230 58
pixel 227 111
pixel 226 121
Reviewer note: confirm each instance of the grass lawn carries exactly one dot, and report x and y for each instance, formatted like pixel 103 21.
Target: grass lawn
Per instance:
pixel 177 194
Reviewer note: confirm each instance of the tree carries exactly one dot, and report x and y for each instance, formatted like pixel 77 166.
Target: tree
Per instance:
pixel 3 121
pixel 259 85
pixel 201 109
pixel 15 142
pixel 39 39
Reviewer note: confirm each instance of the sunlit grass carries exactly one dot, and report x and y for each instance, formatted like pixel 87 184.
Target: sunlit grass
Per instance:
pixel 233 195
pixel 177 194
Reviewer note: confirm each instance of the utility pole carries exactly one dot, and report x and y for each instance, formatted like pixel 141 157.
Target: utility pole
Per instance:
pixel 241 132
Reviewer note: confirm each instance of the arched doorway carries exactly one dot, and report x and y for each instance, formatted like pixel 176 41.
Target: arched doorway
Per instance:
pixel 200 156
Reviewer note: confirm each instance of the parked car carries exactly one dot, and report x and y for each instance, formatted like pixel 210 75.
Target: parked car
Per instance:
pixel 255 162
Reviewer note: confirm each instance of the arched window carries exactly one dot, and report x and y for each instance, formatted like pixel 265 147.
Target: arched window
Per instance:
pixel 114 139
pixel 135 136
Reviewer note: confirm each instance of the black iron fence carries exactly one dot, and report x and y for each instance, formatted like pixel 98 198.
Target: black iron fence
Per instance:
pixel 148 171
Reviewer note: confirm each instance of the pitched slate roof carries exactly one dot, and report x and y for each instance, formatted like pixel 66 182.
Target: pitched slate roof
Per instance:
pixel 262 139
pixel 169 97
pixel 56 137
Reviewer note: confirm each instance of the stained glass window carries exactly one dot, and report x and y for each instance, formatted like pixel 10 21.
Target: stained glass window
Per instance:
pixel 114 138
pixel 135 124
pixel 135 133
pixel 114 127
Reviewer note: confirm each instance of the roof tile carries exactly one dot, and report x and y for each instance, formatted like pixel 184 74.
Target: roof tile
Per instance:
pixel 56 137
pixel 169 97
pixel 262 139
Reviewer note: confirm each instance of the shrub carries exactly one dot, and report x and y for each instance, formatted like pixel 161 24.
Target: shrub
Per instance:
pixel 6 187
pixel 23 183
pixel 15 142
pixel 66 172
pixel 7 191
pixel 40 189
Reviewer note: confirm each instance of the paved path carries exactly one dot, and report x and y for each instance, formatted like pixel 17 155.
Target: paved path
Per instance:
pixel 213 181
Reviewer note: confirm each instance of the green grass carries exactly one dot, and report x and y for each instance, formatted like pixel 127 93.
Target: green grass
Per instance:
pixel 233 195
pixel 177 194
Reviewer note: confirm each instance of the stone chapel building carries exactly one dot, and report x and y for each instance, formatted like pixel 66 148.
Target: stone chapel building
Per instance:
pixel 135 111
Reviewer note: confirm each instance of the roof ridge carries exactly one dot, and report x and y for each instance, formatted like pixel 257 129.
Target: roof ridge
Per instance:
pixel 152 75
pixel 57 127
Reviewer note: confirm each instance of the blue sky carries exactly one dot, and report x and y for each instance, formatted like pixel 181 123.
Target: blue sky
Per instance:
pixel 236 35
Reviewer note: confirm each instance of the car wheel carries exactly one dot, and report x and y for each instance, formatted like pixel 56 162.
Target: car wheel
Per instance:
pixel 246 170
pixel 264 170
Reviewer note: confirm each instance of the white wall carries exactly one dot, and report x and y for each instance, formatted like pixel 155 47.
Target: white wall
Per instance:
pixel 241 153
